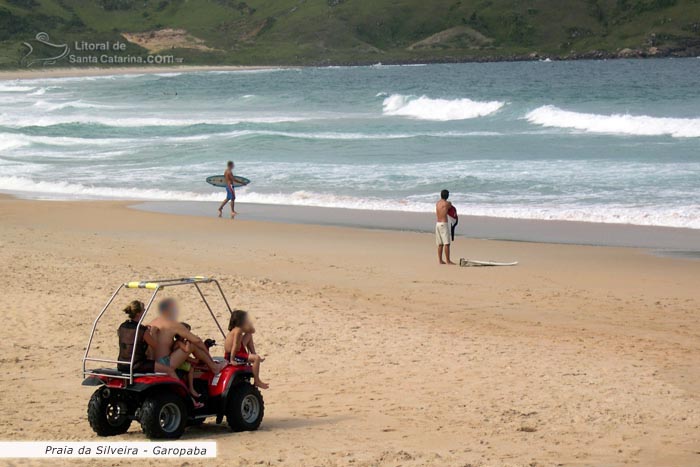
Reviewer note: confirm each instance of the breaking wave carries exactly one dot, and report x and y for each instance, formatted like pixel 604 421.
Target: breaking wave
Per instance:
pixel 425 108
pixel 624 124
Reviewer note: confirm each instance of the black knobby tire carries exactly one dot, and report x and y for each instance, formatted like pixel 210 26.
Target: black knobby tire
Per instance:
pixel 245 408
pixel 163 416
pixel 107 414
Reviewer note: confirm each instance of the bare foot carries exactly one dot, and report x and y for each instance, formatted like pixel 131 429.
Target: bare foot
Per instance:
pixel 195 394
pixel 233 214
pixel 451 263
pixel 261 385
pixel 442 262
pixel 219 212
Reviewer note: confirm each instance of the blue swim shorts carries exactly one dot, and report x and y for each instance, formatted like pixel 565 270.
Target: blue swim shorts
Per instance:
pixel 164 360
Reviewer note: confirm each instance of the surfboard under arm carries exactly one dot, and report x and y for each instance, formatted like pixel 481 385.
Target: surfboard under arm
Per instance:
pixel 220 181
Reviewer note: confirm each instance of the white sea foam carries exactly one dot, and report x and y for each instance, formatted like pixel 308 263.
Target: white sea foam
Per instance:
pixel 354 136
pixel 15 88
pixel 65 190
pixel 10 141
pixel 18 140
pixel 425 108
pixel 625 124
pixel 685 217
pixel 19 121
pixel 688 217
pixel 78 104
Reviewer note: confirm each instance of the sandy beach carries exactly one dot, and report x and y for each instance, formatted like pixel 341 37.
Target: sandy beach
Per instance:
pixel 376 355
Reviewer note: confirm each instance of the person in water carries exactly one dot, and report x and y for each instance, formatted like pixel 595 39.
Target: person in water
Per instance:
pixel 230 193
pixel 128 335
pixel 239 346
pixel 167 327
pixel 442 227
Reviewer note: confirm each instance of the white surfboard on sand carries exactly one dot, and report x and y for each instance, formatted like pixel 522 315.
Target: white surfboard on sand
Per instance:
pixel 475 263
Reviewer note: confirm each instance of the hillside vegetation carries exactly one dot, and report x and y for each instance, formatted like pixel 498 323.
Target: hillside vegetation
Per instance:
pixel 356 31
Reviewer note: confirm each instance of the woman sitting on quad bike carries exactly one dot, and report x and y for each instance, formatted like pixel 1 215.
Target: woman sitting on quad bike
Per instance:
pixel 239 347
pixel 127 336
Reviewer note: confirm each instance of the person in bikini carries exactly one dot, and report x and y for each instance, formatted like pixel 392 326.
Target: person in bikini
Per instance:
pixel 127 333
pixel 230 192
pixel 167 327
pixel 239 346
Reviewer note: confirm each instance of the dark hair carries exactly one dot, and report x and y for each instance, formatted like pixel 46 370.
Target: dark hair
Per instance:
pixel 444 194
pixel 229 163
pixel 134 308
pixel 238 317
pixel 165 304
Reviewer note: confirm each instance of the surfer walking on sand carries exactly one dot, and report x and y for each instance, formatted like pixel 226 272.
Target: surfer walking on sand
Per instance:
pixel 442 227
pixel 230 193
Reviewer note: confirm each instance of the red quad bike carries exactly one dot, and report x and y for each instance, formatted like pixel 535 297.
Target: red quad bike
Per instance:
pixel 160 403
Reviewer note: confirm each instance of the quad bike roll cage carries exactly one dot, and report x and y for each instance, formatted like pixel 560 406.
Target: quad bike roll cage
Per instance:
pixel 156 286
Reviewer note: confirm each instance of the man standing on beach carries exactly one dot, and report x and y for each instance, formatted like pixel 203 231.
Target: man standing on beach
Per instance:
pixel 230 194
pixel 442 227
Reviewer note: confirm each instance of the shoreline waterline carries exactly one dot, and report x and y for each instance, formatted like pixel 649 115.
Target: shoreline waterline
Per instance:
pixel 671 241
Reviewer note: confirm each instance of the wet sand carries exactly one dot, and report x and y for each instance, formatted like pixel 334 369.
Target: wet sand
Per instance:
pixel 664 240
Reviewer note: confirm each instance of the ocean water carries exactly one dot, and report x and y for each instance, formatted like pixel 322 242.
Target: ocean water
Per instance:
pixel 609 141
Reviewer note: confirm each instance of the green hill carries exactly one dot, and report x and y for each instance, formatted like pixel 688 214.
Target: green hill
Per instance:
pixel 347 31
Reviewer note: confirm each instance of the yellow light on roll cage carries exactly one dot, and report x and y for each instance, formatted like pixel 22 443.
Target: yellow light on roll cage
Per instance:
pixel 142 285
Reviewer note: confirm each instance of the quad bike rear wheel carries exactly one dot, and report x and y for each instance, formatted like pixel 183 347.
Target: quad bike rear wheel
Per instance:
pixel 107 414
pixel 245 408
pixel 163 416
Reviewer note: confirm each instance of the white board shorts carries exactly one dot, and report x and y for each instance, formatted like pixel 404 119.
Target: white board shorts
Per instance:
pixel 442 233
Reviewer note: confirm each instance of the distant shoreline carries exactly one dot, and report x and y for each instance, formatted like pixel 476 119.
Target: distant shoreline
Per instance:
pixel 61 72
pixel 43 73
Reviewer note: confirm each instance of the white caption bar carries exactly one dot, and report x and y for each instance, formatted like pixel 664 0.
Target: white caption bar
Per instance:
pixel 53 449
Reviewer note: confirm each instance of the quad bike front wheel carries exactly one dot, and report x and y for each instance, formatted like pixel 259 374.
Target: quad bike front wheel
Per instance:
pixel 245 408
pixel 107 413
pixel 163 416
